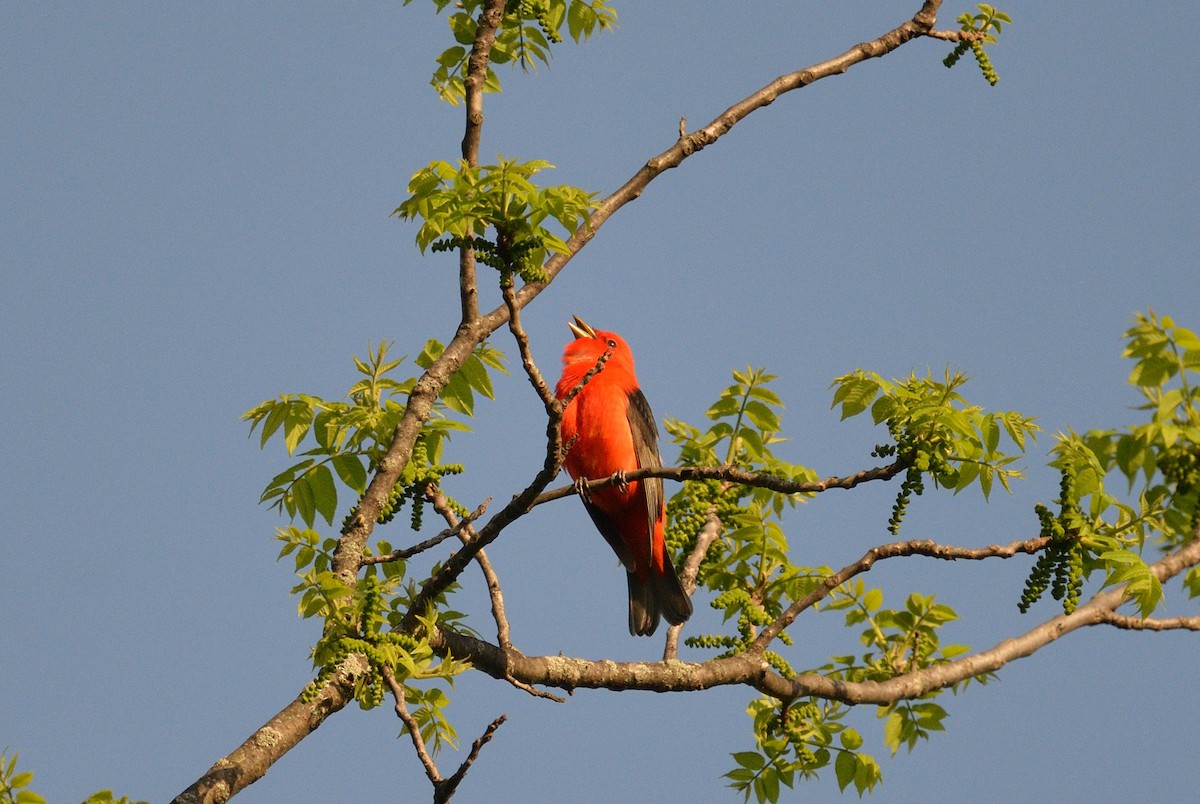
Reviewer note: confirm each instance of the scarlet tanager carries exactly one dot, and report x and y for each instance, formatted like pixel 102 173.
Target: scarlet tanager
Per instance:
pixel 611 429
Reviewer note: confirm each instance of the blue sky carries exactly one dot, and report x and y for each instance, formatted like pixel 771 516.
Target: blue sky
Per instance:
pixel 195 206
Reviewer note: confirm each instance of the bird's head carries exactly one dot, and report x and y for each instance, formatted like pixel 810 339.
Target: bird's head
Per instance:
pixel 590 344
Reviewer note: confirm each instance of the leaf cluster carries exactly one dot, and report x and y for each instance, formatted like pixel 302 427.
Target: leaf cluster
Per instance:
pixel 748 564
pixel 459 203
pixel 1098 530
pixel 984 28
pixel 349 437
pixel 355 619
pixel 524 38
pixel 936 433
pixel 13 784
pixel 800 738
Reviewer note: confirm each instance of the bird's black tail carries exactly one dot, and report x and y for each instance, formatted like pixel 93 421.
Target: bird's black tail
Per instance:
pixel 657 596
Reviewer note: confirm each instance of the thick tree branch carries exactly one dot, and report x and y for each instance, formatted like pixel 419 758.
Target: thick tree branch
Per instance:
pixel 251 760
pixel 750 669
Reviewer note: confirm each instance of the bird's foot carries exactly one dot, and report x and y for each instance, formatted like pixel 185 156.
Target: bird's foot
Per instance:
pixel 622 483
pixel 581 488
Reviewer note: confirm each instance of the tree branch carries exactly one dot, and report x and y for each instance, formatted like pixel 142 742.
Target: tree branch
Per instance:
pixel 477 68
pixel 1150 624
pixel 957 36
pixel 518 332
pixel 915 547
pixel 687 576
pixel 749 668
pixel 412 727
pixel 467 535
pixel 433 541
pixel 921 23
pixel 253 758
pixel 444 790
pixel 736 476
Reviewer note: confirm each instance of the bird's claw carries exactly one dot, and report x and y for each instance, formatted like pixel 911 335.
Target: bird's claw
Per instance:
pixel 581 488
pixel 621 481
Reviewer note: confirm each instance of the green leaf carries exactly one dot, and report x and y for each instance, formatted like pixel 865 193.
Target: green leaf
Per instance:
pixel 749 759
pixel 873 599
pixel 893 730
pixel 305 500
pixel 324 491
pixel 458 395
pixel 351 471
pixel 476 375
pixel 762 416
pixel 846 767
pixel 273 421
pixel 298 420
pixel 770 784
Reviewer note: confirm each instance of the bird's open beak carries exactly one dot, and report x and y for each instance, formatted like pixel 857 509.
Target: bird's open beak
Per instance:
pixel 580 328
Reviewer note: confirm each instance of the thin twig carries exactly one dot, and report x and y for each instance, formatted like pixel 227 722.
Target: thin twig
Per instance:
pixel 412 727
pixel 518 332
pixel 467 535
pixel 691 569
pixel 473 82
pixel 433 541
pixel 916 547
pixel 1150 624
pixel 732 474
pixel 444 790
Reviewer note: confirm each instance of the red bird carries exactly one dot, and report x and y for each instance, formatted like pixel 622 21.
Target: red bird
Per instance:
pixel 614 431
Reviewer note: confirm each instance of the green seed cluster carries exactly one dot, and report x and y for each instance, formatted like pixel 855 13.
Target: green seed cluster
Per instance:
pixel 730 598
pixel 415 478
pixel 916 449
pixel 779 663
pixel 712 642
pixel 540 10
pixel 1180 466
pixel 985 63
pixel 912 484
pixel 956 54
pixel 506 257
pixel 751 616
pixel 797 723
pixel 688 510
pixel 1060 566
pixel 380 649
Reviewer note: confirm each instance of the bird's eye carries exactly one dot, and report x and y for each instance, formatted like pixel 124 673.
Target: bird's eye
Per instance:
pixel 612 343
